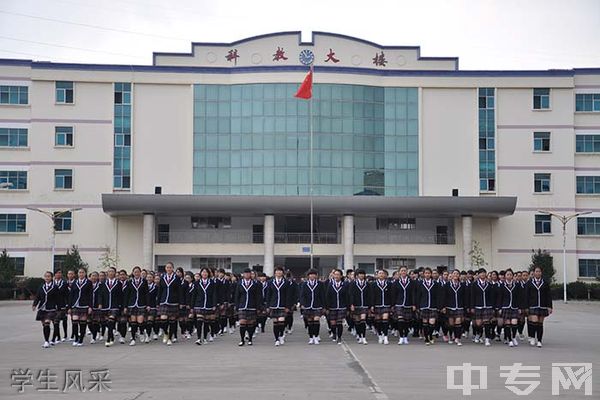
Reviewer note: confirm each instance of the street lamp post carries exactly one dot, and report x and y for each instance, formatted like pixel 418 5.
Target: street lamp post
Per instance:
pixel 564 219
pixel 53 215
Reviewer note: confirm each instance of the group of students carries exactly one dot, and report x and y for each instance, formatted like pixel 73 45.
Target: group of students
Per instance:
pixel 212 302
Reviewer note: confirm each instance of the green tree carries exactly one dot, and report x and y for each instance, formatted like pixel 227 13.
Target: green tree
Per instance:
pixel 7 268
pixel 543 259
pixel 108 259
pixel 477 256
pixel 73 261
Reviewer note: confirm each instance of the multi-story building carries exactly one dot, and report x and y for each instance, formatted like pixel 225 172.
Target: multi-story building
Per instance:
pixel 205 159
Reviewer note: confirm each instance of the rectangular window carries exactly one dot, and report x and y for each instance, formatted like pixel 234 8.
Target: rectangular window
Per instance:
pixel 541 183
pixel 163 233
pixel 18 264
pixel 13 180
pixel 589 268
pixel 369 268
pixel 396 224
pixel 59 260
pixel 395 263
pixel 541 141
pixel 587 102
pixel 587 143
pixel 63 136
pixel 12 223
pixel 122 136
pixel 64 92
pixel 588 185
pixel 63 221
pixel 588 226
pixel 14 95
pixel 541 99
pixel 211 262
pixel 487 140
pixel 13 137
pixel 543 224
pixel 238 267
pixel 63 179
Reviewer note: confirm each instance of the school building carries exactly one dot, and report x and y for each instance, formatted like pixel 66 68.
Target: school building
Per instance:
pixel 204 159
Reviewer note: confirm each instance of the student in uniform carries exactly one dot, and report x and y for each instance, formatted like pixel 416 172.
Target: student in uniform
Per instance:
pixel 223 294
pixel 204 301
pixel 427 301
pixel 404 303
pixel 483 303
pixel 182 313
pixel 261 313
pixel 521 324
pixel 71 275
pixel 151 327
pixel 456 297
pixel 464 278
pixel 360 297
pixel 294 293
pixel 381 291
pixel 539 303
pixel 336 302
pixel 279 295
pixel 61 305
pixel 510 305
pixel 47 300
pixel 136 302
pixel 248 297
pixel 312 301
pixel 97 316
pixel 168 302
pixel 111 298
pixel 80 302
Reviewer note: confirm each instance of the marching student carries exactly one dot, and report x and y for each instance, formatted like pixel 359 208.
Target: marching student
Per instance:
pixel 80 302
pixel 97 316
pixel 483 303
pixel 381 291
pixel 168 302
pixel 182 313
pixel 61 305
pixel 464 278
pixel 223 290
pixel 46 302
pixel 312 301
pixel 204 301
pixel 456 298
pixel 278 302
pixel 336 302
pixel 136 302
pixel 151 326
pixel 122 318
pixel 404 303
pixel 262 310
pixel 111 298
pixel 74 326
pixel 294 293
pixel 359 299
pixel 510 304
pixel 539 304
pixel 247 299
pixel 427 301
pixel 521 324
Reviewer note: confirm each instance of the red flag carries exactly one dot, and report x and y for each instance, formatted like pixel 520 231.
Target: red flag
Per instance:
pixel 305 89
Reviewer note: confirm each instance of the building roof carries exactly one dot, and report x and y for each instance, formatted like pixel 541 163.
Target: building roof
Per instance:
pixel 116 204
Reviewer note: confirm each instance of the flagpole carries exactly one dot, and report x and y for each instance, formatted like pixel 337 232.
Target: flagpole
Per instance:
pixel 310 124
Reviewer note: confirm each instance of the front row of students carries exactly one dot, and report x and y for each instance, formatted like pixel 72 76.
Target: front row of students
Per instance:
pixel 207 302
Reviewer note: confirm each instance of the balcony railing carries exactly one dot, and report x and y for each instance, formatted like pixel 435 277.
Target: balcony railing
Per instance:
pixel 231 236
pixel 401 237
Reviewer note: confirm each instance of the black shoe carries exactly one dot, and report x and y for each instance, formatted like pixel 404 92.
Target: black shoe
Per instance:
pixel 243 343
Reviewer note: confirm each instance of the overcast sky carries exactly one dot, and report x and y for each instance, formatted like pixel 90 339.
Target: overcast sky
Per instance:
pixel 484 34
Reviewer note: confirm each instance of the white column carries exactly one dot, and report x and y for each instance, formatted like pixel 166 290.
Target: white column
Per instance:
pixel 148 241
pixel 269 239
pixel 348 238
pixel 467 232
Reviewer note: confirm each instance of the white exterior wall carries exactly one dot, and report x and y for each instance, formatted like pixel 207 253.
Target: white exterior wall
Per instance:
pixel 162 142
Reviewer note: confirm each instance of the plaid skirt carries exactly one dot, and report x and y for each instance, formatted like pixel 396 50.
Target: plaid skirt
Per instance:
pixel 429 313
pixel 381 310
pixel 539 311
pixel 484 314
pixel 509 313
pixel 403 313
pixel 98 315
pixel 204 312
pixel 261 312
pixel 113 313
pixel 312 313
pixel 183 312
pixel 248 315
pixel 277 313
pixel 79 312
pixel 337 314
pixel 45 315
pixel 136 311
pixel 458 313
pixel 151 312
pixel 170 310
pixel 358 311
pixel 61 315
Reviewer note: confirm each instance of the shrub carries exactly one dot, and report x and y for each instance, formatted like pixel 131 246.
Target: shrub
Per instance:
pixel 556 290
pixel 577 290
pixel 595 291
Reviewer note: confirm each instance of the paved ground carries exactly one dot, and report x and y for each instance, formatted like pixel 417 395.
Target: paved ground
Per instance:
pixel 223 371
